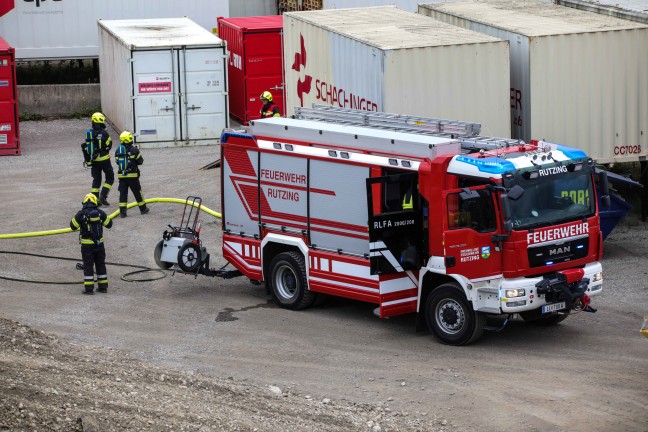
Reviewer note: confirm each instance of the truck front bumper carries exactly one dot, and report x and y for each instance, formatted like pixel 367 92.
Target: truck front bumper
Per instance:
pixel 522 294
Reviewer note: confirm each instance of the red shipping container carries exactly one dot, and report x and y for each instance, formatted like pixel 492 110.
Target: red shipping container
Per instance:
pixel 255 63
pixel 9 131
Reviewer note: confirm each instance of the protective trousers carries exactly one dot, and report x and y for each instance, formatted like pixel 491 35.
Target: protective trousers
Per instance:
pixel 94 258
pixel 132 183
pixel 97 169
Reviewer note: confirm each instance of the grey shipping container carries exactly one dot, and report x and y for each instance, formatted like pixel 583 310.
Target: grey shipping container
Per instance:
pixel 390 60
pixel 577 78
pixel 164 80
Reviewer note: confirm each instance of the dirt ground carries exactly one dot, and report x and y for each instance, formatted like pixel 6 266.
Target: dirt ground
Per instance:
pixel 199 354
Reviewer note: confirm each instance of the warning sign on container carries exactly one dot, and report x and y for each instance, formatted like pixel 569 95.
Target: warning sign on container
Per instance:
pixel 156 84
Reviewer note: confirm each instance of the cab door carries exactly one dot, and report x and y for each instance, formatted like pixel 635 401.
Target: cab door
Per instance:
pixel 470 224
pixel 394 223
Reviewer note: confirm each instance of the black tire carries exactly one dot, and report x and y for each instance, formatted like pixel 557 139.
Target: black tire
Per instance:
pixel 536 317
pixel 189 257
pixel 288 281
pixel 450 317
pixel 157 254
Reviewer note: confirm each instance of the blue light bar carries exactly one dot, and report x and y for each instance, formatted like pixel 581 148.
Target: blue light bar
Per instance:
pixel 488 165
pixel 571 153
pixel 226 135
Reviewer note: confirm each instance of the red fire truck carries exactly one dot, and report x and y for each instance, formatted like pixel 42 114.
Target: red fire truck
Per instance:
pixel 414 215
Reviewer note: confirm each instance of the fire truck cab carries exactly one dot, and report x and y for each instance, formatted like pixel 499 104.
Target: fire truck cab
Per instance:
pixel 414 215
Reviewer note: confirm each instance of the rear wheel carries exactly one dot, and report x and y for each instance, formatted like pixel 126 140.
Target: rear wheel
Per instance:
pixel 189 257
pixel 288 281
pixel 536 317
pixel 451 318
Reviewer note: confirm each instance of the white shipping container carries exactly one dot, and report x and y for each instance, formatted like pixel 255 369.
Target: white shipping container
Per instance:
pixel 387 59
pixel 164 80
pixel 61 29
pixel 577 78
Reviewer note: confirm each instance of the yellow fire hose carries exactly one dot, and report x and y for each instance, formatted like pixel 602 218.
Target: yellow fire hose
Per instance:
pixel 110 216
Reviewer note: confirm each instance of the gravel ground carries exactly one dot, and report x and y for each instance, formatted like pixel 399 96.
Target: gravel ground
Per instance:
pixel 184 353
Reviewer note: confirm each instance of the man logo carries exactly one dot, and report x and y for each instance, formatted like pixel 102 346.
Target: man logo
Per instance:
pixel 300 61
pixel 560 250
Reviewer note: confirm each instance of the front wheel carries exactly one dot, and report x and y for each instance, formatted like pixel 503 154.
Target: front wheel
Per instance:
pixel 451 318
pixel 288 281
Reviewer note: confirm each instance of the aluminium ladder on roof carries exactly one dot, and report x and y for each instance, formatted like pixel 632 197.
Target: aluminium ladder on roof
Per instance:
pixel 465 132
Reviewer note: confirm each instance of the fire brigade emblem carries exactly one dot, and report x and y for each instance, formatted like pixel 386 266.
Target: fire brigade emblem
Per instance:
pixel 485 252
pixel 299 63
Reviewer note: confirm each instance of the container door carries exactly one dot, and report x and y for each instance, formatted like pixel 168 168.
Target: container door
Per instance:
pixel 263 69
pixel 155 103
pixel 203 93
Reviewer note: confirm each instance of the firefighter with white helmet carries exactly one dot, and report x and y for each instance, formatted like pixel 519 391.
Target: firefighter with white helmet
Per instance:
pixel 96 154
pixel 90 221
pixel 269 108
pixel 129 158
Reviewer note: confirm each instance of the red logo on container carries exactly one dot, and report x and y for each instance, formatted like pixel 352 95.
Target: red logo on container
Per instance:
pixel 6 6
pixel 300 61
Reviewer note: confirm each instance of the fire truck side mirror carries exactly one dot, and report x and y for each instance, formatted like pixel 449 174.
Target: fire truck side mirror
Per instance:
pixel 605 188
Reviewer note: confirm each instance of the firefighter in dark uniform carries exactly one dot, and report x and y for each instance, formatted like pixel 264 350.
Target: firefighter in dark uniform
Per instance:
pixel 269 108
pixel 91 220
pixel 96 152
pixel 129 158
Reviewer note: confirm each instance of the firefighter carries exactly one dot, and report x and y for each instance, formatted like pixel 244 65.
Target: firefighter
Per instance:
pixel 129 158
pixel 269 108
pixel 90 220
pixel 96 153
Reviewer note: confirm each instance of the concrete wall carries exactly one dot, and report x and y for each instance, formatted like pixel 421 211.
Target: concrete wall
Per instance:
pixel 58 100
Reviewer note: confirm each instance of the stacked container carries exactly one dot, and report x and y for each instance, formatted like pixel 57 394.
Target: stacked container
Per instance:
pixel 577 78
pixel 255 63
pixel 164 80
pixel 387 59
pixel 9 130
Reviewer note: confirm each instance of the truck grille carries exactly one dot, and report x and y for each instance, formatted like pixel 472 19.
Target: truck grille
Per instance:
pixel 558 252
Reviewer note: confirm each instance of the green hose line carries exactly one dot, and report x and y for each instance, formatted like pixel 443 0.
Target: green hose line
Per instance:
pixel 112 216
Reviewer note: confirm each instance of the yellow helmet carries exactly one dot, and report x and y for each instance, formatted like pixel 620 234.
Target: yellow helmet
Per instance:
pixel 126 137
pixel 98 118
pixel 90 197
pixel 267 96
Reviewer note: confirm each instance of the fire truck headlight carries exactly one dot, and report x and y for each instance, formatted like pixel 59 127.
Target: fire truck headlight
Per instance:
pixel 597 277
pixel 512 293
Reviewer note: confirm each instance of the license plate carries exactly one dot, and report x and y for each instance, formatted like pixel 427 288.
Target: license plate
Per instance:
pixel 553 307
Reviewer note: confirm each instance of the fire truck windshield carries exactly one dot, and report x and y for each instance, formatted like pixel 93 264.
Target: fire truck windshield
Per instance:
pixel 552 196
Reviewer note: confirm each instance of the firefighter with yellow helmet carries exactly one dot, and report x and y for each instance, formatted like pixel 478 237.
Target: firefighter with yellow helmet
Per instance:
pixel 129 158
pixel 96 153
pixel 90 221
pixel 269 108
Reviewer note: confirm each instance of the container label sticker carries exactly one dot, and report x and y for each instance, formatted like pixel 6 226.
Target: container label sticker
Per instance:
pixel 3 139
pixel 4 83
pixel 154 84
pixel 5 62
pixel 5 127
pixel 148 132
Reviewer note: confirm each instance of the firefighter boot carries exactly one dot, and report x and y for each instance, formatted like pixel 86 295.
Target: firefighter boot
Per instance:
pixel 103 199
pixel 88 290
pixel 144 209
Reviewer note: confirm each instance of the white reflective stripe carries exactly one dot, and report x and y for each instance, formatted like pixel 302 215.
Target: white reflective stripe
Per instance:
pixel 399 301
pixel 238 257
pixel 499 276
pixel 396 285
pixel 345 268
pixel 88 277
pixel 235 247
pixel 104 276
pixel 344 284
pixel 377 245
pixel 392 260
